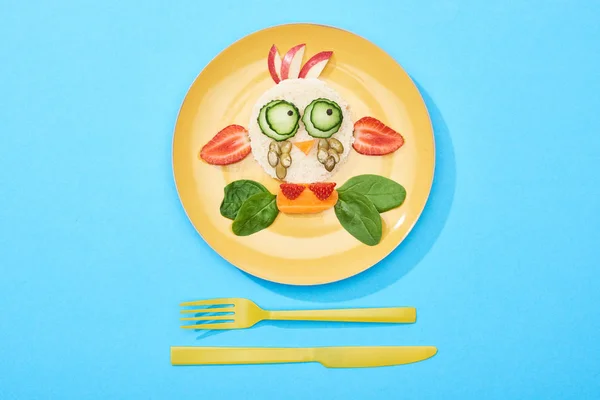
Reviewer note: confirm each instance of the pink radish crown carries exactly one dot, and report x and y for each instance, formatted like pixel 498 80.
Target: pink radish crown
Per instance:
pixel 290 67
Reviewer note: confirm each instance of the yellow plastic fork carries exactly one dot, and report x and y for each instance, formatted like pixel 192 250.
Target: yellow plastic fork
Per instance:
pixel 236 313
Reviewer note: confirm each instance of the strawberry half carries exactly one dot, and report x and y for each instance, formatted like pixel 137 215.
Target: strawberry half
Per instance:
pixel 322 190
pixel 291 190
pixel 228 146
pixel 373 138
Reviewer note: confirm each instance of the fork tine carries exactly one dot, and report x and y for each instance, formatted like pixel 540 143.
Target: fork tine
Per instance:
pixel 208 310
pixel 226 325
pixel 209 318
pixel 207 302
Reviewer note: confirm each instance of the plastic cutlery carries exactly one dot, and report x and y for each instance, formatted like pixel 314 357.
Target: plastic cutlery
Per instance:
pixel 331 357
pixel 238 313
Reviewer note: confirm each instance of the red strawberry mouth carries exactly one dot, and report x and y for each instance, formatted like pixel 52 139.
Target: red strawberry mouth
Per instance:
pixel 322 190
pixel 291 190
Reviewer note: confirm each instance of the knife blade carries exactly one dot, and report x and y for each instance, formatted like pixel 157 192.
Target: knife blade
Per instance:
pixel 331 357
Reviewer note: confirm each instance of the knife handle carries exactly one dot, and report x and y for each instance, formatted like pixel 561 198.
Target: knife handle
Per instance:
pixel 384 315
pixel 239 355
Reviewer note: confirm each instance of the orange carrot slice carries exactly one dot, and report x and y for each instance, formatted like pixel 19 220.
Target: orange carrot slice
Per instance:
pixel 305 146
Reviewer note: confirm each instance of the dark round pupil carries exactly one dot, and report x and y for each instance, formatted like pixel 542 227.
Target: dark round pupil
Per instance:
pixel 329 111
pixel 290 113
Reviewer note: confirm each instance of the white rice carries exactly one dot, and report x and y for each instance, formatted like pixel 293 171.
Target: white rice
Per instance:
pixel 300 92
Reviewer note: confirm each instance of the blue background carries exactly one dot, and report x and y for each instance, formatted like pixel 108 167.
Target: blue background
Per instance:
pixel 96 251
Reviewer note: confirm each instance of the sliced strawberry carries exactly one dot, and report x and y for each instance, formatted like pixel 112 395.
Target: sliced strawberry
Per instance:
pixel 322 190
pixel 291 190
pixel 228 146
pixel 373 138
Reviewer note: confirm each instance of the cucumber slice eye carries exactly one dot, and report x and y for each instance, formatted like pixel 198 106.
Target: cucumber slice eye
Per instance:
pixel 322 118
pixel 283 117
pixel 278 119
pixel 325 116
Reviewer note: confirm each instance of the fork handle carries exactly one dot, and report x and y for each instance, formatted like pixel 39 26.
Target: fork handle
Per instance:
pixel 384 315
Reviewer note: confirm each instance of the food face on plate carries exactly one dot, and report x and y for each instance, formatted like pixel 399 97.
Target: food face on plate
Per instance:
pixel 300 132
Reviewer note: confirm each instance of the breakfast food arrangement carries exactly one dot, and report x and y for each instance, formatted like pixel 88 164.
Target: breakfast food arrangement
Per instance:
pixel 301 133
pixel 295 168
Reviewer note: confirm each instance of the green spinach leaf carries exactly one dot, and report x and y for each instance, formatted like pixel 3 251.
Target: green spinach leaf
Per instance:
pixel 256 213
pixel 359 217
pixel 236 193
pixel 383 192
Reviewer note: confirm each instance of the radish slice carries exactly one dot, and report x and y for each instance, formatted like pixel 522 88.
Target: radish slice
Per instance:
pixel 274 63
pixel 292 61
pixel 316 64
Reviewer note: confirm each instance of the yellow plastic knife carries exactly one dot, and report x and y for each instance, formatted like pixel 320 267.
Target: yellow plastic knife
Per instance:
pixel 331 357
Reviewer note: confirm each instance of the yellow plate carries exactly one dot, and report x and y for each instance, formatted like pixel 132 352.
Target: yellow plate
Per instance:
pixel 305 249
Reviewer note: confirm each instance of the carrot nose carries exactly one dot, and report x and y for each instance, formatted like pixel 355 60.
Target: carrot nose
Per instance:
pixel 305 146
